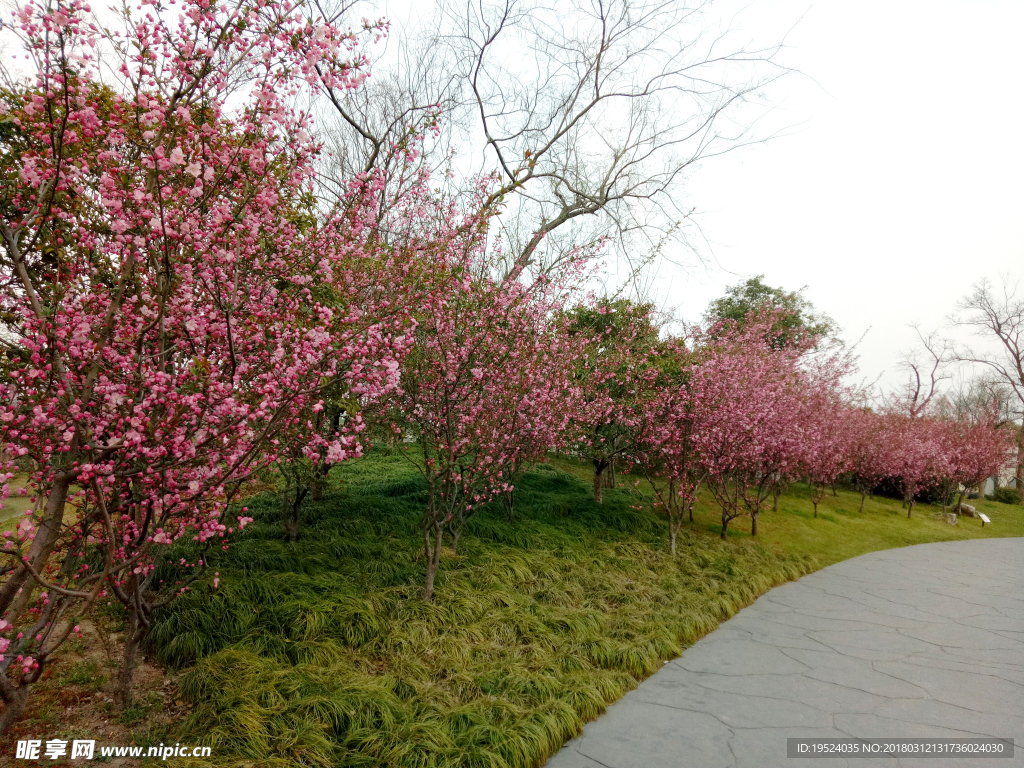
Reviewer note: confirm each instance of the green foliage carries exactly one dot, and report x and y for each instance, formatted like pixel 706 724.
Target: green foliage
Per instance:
pixel 799 320
pixel 1006 496
pixel 321 653
pixel 609 321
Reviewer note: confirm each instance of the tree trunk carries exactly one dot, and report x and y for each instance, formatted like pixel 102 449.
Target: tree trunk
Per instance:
pixel 863 499
pixel 1020 459
pixel 320 476
pixel 290 512
pixel 910 504
pixel 725 523
pixel 456 533
pixel 129 660
pixel 672 537
pixel 753 523
pixel 776 493
pixel 610 479
pixel 599 467
pixel 508 501
pixel 815 503
pixel 39 552
pixel 433 561
pixel 14 707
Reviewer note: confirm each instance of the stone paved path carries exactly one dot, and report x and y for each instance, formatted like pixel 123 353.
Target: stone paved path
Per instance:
pixel 924 641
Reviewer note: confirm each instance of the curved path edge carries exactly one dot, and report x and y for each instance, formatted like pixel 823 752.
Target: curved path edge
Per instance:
pixel 921 641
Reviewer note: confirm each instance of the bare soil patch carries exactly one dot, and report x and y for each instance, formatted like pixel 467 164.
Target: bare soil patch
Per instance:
pixel 74 701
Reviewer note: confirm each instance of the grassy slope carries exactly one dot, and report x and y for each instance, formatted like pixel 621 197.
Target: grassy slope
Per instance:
pixel 321 653
pixel 840 531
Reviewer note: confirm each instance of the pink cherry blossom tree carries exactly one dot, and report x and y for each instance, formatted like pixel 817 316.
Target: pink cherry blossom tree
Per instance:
pixel 975 452
pixel 174 300
pixel 680 408
pixel 485 388
pixel 616 374
pixel 871 452
pixel 752 438
pixel 824 442
pixel 919 454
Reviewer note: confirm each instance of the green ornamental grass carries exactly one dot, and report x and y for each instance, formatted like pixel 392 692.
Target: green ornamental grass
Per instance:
pixel 321 652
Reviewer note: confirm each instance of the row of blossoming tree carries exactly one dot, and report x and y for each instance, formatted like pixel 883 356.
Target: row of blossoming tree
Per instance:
pixel 181 311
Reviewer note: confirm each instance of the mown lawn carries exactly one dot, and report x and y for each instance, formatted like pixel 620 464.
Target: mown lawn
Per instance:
pixel 322 653
pixel 841 531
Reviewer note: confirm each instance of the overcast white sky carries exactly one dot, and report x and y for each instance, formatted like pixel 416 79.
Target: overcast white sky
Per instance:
pixel 905 183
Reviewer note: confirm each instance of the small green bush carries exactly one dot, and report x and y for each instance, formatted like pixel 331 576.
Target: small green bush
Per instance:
pixel 1006 496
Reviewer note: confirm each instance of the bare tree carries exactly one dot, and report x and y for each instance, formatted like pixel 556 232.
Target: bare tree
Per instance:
pixel 996 313
pixel 587 112
pixel 978 399
pixel 927 369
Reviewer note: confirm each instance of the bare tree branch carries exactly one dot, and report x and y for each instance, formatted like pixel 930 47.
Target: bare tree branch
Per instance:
pixel 589 112
pixel 996 313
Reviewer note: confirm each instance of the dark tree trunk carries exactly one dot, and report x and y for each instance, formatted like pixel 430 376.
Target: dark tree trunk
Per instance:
pixel 815 503
pixel 508 501
pixel 776 493
pixel 1020 460
pixel 863 499
pixel 129 660
pixel 290 509
pixel 433 550
pixel 14 707
pixel 39 552
pixel 753 523
pixel 610 478
pixel 599 466
pixel 725 523
pixel 319 484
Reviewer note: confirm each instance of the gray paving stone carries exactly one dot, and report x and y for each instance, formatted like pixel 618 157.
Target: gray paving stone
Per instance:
pixel 753 748
pixel 736 656
pixel 925 641
pixel 982 692
pixel 942 715
pixel 964 636
pixel 745 709
pixel 641 735
pixel 859 726
pixel 824 695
